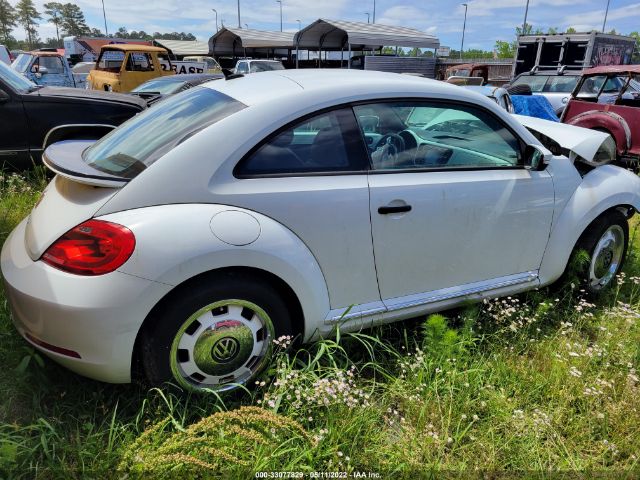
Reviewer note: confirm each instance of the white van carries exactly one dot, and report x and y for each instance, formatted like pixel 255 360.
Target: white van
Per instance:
pixel 5 56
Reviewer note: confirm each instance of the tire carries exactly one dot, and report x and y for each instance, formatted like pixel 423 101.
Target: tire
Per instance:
pixel 606 241
pixel 216 335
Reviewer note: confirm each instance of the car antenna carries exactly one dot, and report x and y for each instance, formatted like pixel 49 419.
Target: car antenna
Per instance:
pixel 229 75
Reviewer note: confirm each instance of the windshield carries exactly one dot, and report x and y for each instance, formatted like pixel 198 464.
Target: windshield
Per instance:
pixel 16 80
pixel 145 138
pixel 548 83
pixel 21 63
pixel 265 66
pixel 164 87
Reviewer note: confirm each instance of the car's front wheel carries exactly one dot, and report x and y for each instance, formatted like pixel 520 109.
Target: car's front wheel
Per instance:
pixel 606 242
pixel 217 335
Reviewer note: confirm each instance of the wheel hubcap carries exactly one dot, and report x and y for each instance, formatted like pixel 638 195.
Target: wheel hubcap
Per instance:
pixel 606 257
pixel 222 345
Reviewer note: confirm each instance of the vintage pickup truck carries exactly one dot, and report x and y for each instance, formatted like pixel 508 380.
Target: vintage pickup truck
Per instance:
pixel 45 67
pixel 122 67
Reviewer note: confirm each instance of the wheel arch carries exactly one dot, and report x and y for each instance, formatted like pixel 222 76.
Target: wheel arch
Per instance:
pixel 603 189
pixel 610 122
pixel 284 290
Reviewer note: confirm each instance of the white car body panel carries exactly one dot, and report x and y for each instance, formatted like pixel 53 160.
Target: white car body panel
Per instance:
pixel 101 314
pixel 601 189
pixel 582 142
pixel 317 233
pixel 460 224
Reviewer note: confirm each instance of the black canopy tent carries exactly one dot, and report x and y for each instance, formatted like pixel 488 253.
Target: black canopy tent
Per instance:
pixel 338 35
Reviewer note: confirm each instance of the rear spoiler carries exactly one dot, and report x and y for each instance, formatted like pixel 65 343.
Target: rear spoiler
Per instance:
pixel 65 159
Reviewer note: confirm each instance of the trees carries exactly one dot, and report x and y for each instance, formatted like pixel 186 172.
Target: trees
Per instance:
pixel 73 21
pixel 27 17
pixel 505 49
pixel 54 11
pixel 8 21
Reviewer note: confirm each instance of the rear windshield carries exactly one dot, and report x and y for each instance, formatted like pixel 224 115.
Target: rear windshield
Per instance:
pixel 110 61
pixel 161 86
pixel 265 66
pixel 145 138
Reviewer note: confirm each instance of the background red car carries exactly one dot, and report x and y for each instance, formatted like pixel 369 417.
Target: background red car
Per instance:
pixel 608 99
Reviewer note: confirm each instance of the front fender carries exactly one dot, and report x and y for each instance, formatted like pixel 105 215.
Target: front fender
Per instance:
pixel 609 121
pixel 175 243
pixel 601 189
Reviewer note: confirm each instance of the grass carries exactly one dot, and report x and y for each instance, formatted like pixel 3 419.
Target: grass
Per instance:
pixel 535 386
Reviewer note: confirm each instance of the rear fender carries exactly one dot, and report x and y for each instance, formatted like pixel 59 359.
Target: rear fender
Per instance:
pixel 602 189
pixel 609 121
pixel 175 243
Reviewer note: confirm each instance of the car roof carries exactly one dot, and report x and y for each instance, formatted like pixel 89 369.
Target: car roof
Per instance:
pixel 554 72
pixel 612 69
pixel 335 83
pixel 128 47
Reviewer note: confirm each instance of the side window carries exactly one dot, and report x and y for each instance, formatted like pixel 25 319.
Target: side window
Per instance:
pixel 139 62
pixel 52 64
pixel 242 67
pixel 416 135
pixel 328 142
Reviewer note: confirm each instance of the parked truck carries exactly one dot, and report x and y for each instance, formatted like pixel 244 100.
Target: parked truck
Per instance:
pixel 575 51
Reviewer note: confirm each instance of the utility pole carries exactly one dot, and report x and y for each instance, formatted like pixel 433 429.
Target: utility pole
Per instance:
pixel 280 2
pixel 216 12
pixel 239 24
pixel 604 24
pixel 106 31
pixel 464 26
pixel 524 24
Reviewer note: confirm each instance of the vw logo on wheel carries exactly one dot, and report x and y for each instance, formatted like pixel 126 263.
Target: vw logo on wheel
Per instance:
pixel 225 349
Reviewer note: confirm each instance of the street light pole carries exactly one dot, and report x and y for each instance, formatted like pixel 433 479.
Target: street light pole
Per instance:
pixel 280 2
pixel 464 27
pixel 368 16
pixel 299 25
pixel 246 25
pixel 239 24
pixel 605 16
pixel 374 11
pixel 106 31
pixel 216 12
pixel 524 24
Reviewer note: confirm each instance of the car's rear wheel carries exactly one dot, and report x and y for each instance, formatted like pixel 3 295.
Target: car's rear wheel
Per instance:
pixel 216 336
pixel 606 242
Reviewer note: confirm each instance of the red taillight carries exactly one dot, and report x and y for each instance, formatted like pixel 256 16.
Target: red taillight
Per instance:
pixel 94 247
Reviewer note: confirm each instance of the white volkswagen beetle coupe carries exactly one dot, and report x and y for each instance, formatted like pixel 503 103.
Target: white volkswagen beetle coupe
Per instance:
pixel 204 228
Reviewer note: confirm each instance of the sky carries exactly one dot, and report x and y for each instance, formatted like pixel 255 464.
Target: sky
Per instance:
pixel 487 20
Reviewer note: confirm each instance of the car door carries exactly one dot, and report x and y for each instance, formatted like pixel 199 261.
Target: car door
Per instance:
pixel 14 150
pixel 453 209
pixel 311 177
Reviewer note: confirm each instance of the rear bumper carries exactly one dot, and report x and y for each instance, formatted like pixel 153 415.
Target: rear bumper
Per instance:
pixel 96 317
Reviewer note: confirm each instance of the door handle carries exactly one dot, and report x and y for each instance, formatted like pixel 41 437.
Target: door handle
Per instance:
pixel 394 209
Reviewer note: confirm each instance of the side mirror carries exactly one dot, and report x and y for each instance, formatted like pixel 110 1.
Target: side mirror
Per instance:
pixel 43 70
pixel 536 157
pixel 4 96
